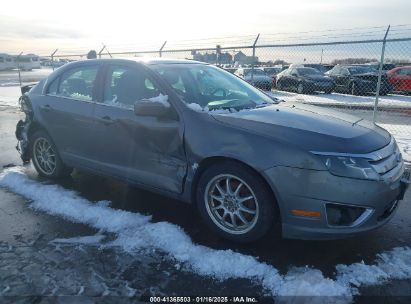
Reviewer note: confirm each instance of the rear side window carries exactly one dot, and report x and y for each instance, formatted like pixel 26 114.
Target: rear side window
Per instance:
pixel 76 83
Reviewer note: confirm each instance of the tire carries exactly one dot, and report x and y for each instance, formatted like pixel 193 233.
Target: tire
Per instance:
pixel 354 90
pixel 279 86
pixel 45 157
pixel 252 226
pixel 300 88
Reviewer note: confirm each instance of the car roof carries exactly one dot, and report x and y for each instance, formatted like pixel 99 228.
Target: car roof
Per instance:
pixel 146 60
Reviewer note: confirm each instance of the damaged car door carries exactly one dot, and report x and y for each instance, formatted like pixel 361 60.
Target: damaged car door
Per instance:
pixel 144 148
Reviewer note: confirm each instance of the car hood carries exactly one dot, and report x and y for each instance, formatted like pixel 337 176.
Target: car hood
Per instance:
pixel 310 128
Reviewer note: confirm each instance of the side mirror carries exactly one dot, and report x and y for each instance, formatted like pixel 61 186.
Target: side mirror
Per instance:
pixel 146 107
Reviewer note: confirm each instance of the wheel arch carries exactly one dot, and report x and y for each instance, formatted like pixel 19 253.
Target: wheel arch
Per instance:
pixel 212 160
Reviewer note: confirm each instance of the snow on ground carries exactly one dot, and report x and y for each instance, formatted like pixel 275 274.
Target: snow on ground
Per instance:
pixel 344 99
pixel 9 96
pixel 136 232
pixel 402 134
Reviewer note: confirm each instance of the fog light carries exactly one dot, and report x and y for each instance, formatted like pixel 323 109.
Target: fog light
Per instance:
pixel 343 215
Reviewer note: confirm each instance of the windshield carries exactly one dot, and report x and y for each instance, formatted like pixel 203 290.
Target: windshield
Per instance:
pixel 211 87
pixel 272 70
pixel 361 70
pixel 308 71
pixel 256 72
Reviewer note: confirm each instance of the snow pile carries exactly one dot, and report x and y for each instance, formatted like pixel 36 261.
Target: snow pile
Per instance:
pixel 135 232
pixel 343 99
pixel 163 99
pixel 196 107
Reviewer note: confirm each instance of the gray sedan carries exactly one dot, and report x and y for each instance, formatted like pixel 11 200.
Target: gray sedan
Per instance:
pixel 194 132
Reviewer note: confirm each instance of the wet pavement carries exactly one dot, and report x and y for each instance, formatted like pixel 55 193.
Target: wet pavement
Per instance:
pixel 34 268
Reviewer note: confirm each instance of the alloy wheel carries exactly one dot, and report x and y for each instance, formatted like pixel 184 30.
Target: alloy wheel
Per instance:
pixel 44 156
pixel 231 204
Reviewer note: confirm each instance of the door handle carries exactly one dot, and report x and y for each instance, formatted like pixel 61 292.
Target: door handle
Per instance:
pixel 46 108
pixel 106 120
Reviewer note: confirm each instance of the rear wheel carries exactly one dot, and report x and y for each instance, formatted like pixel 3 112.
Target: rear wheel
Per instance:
pixel 45 156
pixel 235 202
pixel 300 88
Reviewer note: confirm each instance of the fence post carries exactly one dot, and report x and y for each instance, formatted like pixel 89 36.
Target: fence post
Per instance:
pixel 160 52
pixel 377 94
pixel 217 54
pixel 101 51
pixel 253 62
pixel 52 58
pixel 18 66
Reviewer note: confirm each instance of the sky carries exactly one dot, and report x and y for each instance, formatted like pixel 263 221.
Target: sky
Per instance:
pixel 42 26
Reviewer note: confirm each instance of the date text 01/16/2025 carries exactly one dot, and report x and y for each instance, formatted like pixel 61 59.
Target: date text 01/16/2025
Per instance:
pixel 200 299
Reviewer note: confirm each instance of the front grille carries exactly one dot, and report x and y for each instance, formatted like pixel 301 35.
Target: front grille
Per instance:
pixel 387 159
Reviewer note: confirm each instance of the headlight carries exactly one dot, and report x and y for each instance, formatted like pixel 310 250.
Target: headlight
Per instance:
pixel 350 167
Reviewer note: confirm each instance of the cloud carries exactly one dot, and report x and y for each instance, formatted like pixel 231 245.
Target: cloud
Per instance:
pixel 32 28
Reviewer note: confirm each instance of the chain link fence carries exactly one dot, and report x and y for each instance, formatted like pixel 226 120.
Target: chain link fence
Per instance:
pixel 367 78
pixel 345 76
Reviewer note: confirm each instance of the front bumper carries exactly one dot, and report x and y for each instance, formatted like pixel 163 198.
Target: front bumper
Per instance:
pixel 311 190
pixel 321 86
pixel 371 87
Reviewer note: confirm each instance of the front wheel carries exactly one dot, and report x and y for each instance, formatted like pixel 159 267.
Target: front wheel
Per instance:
pixel 45 156
pixel 355 90
pixel 235 202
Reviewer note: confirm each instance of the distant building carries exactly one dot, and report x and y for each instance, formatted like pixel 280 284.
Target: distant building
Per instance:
pixel 242 58
pixel 224 58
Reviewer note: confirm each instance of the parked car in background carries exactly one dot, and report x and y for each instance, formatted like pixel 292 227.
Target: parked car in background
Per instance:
pixel 272 72
pixel 304 80
pixel 376 66
pixel 230 70
pixel 258 78
pixel 328 67
pixel 358 79
pixel 247 165
pixel 316 66
pixel 400 79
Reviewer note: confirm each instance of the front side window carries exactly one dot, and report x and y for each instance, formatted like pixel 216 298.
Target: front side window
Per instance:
pixel 211 87
pixel 404 72
pixel 126 85
pixel 77 83
pixel 361 70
